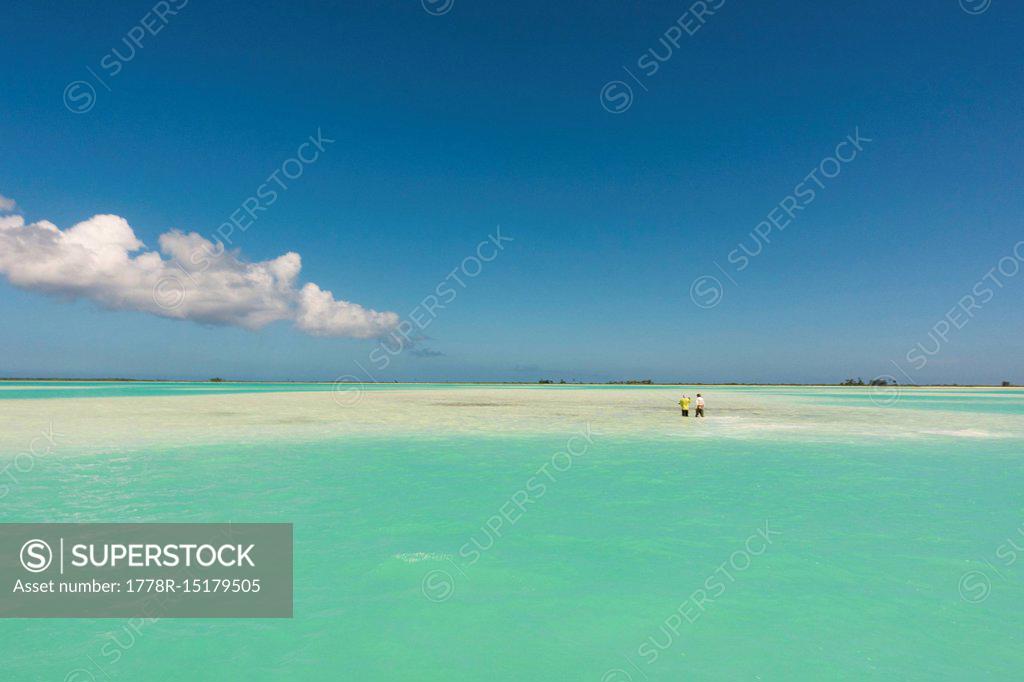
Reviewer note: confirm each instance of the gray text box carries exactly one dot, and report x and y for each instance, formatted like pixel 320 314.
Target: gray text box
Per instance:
pixel 153 570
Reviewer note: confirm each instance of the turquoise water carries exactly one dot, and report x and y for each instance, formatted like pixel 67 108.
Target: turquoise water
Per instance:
pixel 22 390
pixel 990 400
pixel 398 577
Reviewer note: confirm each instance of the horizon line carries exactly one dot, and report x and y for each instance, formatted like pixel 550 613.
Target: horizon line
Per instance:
pixel 218 380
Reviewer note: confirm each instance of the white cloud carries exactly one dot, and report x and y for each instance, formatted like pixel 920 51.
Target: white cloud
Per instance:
pixel 6 204
pixel 102 260
pixel 320 314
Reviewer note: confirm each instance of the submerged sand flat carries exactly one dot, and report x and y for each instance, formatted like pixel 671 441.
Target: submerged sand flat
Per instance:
pixel 799 414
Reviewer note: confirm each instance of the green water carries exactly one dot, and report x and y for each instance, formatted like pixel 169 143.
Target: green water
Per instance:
pixel 398 577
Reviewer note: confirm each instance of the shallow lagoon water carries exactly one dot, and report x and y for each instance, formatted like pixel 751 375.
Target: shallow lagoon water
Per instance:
pixel 876 505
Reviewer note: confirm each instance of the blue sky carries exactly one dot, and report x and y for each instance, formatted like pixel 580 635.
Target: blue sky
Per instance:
pixel 449 124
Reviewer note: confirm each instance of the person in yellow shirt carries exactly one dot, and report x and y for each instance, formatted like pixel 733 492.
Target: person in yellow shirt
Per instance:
pixel 685 405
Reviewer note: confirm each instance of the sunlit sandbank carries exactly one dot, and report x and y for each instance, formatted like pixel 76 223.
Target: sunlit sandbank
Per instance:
pixel 325 412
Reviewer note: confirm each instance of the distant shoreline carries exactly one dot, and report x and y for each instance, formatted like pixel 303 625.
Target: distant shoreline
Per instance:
pixel 494 383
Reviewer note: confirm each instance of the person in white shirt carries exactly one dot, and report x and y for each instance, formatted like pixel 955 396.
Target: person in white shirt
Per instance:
pixel 700 406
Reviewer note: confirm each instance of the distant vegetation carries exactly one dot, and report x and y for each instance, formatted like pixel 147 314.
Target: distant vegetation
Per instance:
pixel 216 379
pixel 874 382
pixel 644 382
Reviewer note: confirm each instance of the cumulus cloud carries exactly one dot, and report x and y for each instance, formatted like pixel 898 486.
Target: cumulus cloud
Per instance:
pixel 320 314
pixel 189 278
pixel 6 204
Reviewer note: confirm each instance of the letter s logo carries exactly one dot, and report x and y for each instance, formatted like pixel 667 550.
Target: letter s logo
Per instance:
pixel 36 556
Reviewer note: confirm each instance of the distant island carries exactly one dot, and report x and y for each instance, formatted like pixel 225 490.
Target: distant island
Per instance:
pixel 873 382
pixel 628 381
pixel 577 382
